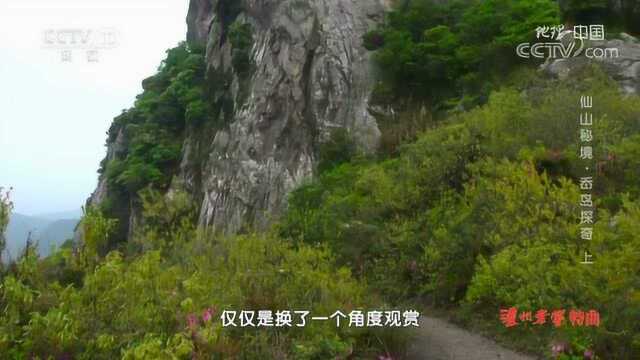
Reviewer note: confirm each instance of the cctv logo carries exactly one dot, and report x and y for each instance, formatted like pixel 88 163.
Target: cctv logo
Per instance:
pixel 80 38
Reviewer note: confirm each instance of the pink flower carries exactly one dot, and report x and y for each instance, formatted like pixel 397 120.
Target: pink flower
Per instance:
pixel 559 348
pixel 192 321
pixel 207 315
pixel 385 357
pixel 589 355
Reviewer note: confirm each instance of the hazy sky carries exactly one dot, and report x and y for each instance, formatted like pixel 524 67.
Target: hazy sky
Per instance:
pixel 54 112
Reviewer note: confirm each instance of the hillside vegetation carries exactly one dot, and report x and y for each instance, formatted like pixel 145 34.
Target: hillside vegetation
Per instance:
pixel 479 213
pixel 482 213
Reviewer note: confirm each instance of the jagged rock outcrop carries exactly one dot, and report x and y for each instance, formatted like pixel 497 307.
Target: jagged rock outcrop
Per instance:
pixel 310 74
pixel 624 68
pixel 115 147
pixel 306 73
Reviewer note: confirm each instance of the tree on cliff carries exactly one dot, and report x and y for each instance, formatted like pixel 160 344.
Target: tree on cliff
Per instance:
pixel 5 209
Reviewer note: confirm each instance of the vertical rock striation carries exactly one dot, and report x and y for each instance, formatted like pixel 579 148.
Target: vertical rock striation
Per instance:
pixel 309 73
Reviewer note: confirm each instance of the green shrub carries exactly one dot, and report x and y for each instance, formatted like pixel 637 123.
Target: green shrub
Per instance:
pixel 548 276
pixel 196 113
pixel 438 51
pixel 152 303
pixel 373 40
pixel 241 38
pixel 339 149
pixel 154 127
pixel 5 211
pixel 95 242
pixel 139 308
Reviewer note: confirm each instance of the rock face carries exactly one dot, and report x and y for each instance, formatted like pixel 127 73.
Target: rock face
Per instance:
pixel 311 74
pixel 308 73
pixel 625 68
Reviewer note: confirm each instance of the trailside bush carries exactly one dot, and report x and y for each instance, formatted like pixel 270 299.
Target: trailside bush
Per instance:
pixel 165 302
pixel 544 273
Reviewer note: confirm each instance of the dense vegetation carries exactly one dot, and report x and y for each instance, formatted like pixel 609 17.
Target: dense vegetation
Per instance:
pixel 165 301
pixel 454 49
pixel 483 212
pixel 171 100
pixel 479 213
pixel 160 296
pixel 149 136
pixel 455 52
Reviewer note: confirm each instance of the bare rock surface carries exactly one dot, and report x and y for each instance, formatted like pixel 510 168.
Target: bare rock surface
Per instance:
pixel 624 68
pixel 310 75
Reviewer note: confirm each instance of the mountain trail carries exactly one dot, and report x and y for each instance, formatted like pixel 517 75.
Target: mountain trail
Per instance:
pixel 438 339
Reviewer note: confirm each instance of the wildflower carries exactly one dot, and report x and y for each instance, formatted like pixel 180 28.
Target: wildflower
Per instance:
pixel 385 357
pixel 559 348
pixel 192 321
pixel 207 314
pixel 589 355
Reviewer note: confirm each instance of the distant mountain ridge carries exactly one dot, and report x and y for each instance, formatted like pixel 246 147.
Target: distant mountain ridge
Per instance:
pixel 47 230
pixel 61 215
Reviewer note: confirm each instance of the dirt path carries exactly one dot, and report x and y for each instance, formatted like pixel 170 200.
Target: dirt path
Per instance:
pixel 440 340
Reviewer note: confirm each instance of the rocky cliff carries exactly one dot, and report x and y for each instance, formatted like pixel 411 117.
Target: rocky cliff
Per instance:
pixel 286 72
pixel 623 65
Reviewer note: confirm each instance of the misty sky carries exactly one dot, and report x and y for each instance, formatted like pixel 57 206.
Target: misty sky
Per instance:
pixel 54 113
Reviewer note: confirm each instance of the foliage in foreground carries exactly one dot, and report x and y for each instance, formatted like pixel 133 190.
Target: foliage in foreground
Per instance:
pixel 165 301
